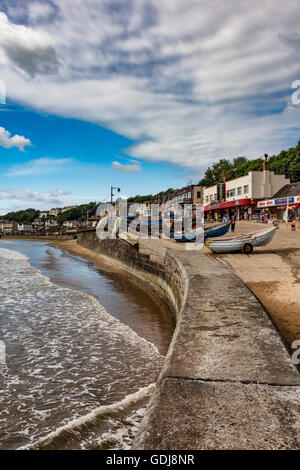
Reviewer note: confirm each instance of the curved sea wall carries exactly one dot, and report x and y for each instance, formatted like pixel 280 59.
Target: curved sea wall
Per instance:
pixel 228 381
pixel 42 236
pixel 155 266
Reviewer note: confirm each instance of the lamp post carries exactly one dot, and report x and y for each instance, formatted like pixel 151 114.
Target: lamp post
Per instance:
pixel 112 193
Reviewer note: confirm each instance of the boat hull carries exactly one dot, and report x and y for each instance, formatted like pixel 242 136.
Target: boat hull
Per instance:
pixel 235 244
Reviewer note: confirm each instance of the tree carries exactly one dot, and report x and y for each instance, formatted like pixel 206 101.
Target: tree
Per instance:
pixel 287 163
pixel 26 216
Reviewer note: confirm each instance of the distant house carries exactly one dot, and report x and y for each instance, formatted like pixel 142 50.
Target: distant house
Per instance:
pixel 38 224
pixel 55 211
pixel 71 224
pixel 44 214
pixel 9 226
pixel 51 223
pixel 67 208
pixel 25 228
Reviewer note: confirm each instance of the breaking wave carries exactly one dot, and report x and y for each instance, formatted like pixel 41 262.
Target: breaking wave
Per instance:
pixel 75 377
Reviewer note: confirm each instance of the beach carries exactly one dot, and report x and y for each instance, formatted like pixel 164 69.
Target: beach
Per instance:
pixel 84 348
pixel 273 275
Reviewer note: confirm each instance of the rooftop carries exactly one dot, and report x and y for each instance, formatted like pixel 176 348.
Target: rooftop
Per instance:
pixel 292 189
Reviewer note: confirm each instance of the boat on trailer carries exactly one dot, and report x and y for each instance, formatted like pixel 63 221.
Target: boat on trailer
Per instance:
pixel 244 243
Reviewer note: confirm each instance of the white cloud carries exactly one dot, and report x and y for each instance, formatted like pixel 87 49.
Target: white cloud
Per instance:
pixel 26 49
pixel 21 194
pixel 39 11
pixel 126 168
pixel 40 166
pixel 189 81
pixel 63 192
pixel 8 142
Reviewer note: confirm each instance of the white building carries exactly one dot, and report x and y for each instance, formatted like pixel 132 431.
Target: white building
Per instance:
pixel 243 194
pixel 25 228
pixel 51 223
pixel 71 224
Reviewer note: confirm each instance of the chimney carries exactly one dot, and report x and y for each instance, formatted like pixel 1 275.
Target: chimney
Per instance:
pixel 266 163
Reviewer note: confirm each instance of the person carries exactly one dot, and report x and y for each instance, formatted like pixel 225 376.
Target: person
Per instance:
pixel 232 221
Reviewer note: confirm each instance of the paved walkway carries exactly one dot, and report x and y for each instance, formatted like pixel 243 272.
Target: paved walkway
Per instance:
pixel 228 381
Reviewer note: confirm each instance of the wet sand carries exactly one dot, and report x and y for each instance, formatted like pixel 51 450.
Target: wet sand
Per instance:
pixel 273 274
pixel 120 293
pixel 135 305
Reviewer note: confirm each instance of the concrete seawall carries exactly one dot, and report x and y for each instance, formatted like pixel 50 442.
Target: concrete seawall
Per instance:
pixel 42 237
pixel 228 381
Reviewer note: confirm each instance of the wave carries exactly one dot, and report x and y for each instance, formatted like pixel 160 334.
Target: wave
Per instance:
pixel 83 427
pixel 66 356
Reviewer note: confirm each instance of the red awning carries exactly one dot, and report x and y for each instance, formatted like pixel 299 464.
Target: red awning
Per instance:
pixel 226 205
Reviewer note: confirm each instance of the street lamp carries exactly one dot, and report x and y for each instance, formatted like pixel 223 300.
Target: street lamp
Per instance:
pixel 112 192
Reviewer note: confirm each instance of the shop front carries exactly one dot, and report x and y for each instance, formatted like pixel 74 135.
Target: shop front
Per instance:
pixel 285 208
pixel 241 209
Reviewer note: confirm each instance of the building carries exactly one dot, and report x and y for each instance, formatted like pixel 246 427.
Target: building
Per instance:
pixel 71 224
pixel 38 224
pixel 8 226
pixel 50 223
pixel 287 197
pixel 192 194
pixel 55 211
pixel 243 194
pixel 25 228
pixel 67 208
pixel 43 214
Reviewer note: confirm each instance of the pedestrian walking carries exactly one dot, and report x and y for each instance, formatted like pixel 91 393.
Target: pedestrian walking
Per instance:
pixel 232 221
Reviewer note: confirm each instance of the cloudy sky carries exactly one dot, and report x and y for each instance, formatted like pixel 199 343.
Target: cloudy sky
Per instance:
pixel 141 94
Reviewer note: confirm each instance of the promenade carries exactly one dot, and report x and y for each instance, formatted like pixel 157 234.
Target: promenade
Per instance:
pixel 273 274
pixel 228 381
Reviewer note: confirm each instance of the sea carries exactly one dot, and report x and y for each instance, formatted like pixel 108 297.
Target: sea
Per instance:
pixel 81 350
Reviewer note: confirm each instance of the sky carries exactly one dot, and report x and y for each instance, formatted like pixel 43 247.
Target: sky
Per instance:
pixel 139 94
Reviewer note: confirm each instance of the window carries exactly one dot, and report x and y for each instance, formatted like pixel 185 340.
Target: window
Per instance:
pixel 210 197
pixel 206 199
pixel 198 194
pixel 246 189
pixel 239 191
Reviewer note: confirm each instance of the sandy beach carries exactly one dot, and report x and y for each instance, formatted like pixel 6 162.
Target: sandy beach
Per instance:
pixel 273 274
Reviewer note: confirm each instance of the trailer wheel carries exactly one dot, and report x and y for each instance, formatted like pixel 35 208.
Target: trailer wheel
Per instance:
pixel 247 249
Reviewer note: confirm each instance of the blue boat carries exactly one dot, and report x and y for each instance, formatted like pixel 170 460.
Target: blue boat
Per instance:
pixel 213 232
pixel 217 232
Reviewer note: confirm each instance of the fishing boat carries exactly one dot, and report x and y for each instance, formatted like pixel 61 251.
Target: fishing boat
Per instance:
pixel 209 232
pixel 218 231
pixel 244 243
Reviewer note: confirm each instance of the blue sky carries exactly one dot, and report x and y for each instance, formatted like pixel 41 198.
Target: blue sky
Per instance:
pixel 78 161
pixel 141 94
